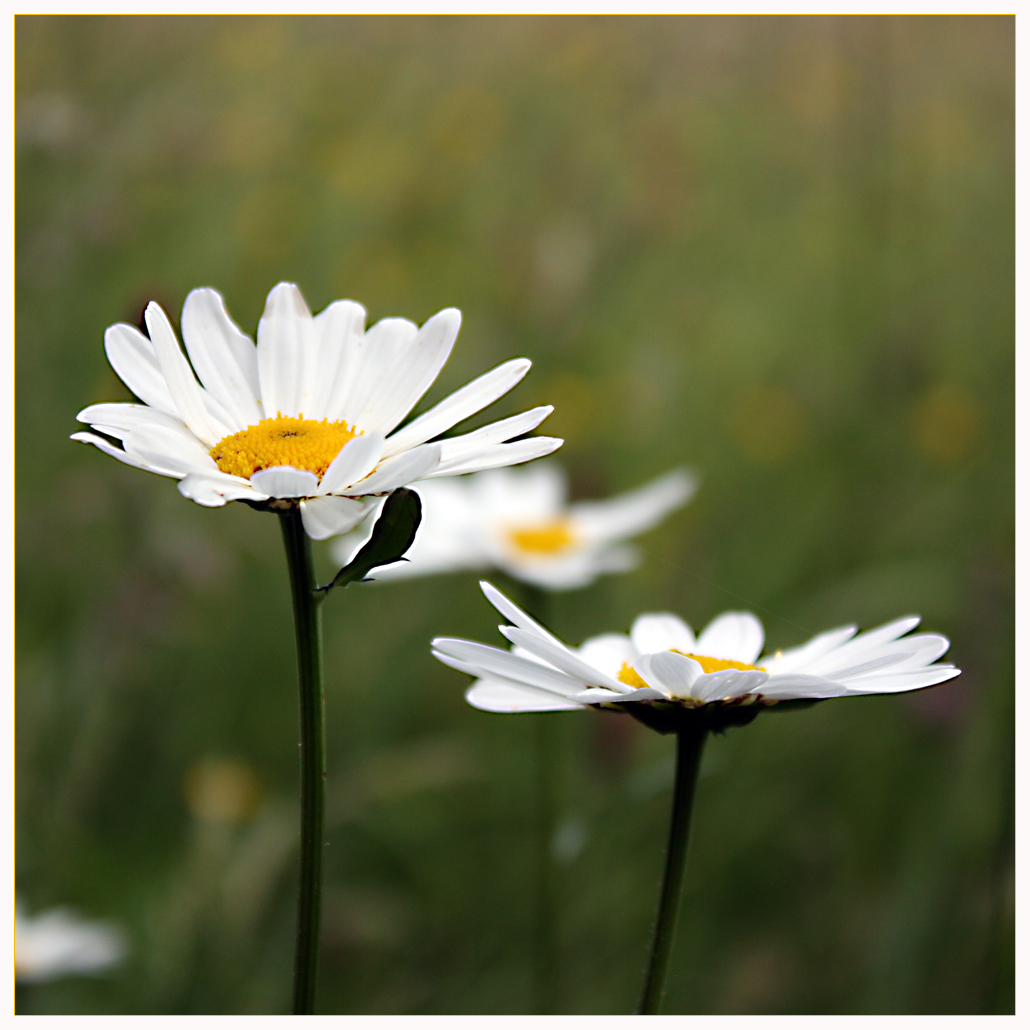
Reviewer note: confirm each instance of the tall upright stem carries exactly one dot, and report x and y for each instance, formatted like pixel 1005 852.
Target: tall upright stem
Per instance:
pixel 308 626
pixel 689 744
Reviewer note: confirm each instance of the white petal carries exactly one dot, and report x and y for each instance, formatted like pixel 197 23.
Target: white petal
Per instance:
pixel 536 493
pixel 213 492
pixel 573 573
pixel 410 366
pixel 165 447
pixel 187 393
pixel 608 652
pixel 132 356
pixel 558 655
pixel 223 355
pixel 862 646
pixel 471 398
pixel 870 666
pixel 285 481
pixel 571 569
pixel 616 559
pixel 127 459
pixel 926 648
pixel 355 461
pixel 800 657
pixel 737 636
pixel 906 653
pixel 340 331
pixel 460 448
pixel 285 352
pixel 514 613
pixel 598 695
pixel 119 419
pixel 492 661
pixel 795 685
pixel 673 674
pixel 728 684
pixel 661 632
pixel 383 352
pixel 400 470
pixel 892 682
pixel 495 696
pixel 631 513
pixel 502 454
pixel 328 516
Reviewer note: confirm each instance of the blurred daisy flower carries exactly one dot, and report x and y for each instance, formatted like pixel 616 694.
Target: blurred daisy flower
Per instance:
pixel 309 416
pixel 58 943
pixel 519 521
pixel 661 669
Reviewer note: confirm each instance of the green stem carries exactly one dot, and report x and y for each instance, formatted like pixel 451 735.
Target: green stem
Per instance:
pixel 308 625
pixel 689 744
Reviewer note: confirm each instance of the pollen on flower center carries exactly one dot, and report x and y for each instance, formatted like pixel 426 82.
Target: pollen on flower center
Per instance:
pixel 300 442
pixel 630 676
pixel 543 538
pixel 718 664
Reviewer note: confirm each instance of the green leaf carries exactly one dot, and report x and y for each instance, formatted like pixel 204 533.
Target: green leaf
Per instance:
pixel 392 535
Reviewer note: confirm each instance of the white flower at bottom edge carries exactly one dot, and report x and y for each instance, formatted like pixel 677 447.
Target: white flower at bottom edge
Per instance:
pixel 519 521
pixel 661 660
pixel 309 415
pixel 58 943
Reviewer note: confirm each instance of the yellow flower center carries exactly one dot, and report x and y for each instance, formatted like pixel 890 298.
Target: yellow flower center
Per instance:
pixel 544 538
pixel 301 442
pixel 718 664
pixel 630 676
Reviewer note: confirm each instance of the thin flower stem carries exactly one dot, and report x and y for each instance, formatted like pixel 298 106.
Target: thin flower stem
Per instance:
pixel 689 744
pixel 308 625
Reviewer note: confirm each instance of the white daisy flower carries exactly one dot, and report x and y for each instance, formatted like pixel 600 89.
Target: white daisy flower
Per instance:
pixel 58 943
pixel 309 416
pixel 661 668
pixel 519 521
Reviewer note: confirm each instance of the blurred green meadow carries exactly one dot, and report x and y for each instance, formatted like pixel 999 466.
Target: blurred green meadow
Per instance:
pixel 777 250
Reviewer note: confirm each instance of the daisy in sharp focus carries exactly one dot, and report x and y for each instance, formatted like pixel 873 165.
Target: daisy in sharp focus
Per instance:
pixel 309 416
pixel 59 943
pixel 520 521
pixel 661 670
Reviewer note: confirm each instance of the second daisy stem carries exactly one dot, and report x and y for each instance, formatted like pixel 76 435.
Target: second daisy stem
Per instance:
pixel 307 620
pixel 689 745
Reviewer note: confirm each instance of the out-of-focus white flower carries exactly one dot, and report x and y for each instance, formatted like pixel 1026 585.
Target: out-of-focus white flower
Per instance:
pixel 519 521
pixel 58 943
pixel 662 662
pixel 309 416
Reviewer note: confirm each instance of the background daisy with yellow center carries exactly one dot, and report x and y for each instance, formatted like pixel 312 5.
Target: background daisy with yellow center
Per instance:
pixel 521 522
pixel 309 415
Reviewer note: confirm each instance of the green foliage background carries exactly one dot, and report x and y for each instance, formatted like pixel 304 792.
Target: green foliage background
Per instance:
pixel 777 250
